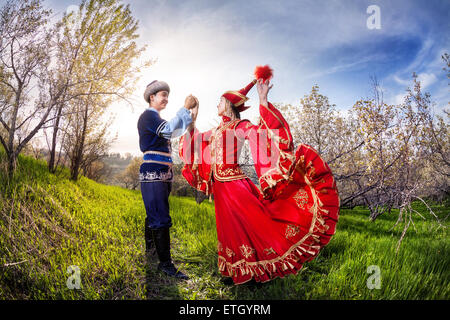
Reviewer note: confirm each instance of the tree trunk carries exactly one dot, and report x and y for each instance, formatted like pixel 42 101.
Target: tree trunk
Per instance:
pixel 80 150
pixel 51 162
pixel 75 165
pixel 12 155
pixel 12 161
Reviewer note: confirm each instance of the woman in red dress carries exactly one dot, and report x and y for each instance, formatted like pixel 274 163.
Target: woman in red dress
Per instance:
pixel 271 230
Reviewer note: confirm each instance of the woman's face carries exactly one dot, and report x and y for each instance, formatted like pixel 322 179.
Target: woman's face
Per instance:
pixel 221 107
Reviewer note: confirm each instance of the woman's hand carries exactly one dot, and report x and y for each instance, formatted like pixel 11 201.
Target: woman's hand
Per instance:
pixel 190 102
pixel 263 90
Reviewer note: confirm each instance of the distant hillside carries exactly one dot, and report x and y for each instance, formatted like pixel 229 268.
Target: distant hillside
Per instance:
pixel 116 163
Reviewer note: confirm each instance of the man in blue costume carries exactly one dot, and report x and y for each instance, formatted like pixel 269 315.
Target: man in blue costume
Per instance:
pixel 155 173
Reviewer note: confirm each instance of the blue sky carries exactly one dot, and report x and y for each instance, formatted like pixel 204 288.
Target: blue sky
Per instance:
pixel 208 47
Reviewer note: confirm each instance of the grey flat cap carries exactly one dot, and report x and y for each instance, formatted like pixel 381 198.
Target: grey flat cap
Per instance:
pixel 154 87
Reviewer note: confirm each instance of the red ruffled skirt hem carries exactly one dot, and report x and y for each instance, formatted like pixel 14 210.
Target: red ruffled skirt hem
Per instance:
pixel 263 239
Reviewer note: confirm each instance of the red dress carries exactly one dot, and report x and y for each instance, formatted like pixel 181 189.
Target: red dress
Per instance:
pixel 270 231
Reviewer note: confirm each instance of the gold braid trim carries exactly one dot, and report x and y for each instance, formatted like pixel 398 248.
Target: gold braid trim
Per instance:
pixel 200 181
pixel 217 168
pixel 291 255
pixel 240 95
pixel 277 168
pixel 194 168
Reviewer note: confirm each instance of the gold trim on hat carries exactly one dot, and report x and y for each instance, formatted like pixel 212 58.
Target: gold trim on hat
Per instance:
pixel 240 95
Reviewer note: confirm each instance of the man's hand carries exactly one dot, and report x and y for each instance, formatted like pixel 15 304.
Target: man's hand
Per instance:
pixel 194 110
pixel 190 102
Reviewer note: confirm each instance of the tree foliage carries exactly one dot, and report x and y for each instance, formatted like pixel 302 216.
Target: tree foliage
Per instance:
pixel 55 74
pixel 24 63
pixel 383 156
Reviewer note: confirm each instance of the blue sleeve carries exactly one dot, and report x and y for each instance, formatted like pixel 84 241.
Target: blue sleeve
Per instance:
pixel 175 127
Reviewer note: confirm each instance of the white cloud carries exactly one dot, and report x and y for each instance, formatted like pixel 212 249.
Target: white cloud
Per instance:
pixel 401 81
pixel 342 67
pixel 426 79
pixel 421 56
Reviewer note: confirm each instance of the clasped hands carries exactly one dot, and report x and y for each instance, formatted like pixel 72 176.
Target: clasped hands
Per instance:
pixel 191 103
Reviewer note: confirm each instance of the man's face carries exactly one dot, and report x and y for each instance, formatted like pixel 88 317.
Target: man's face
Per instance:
pixel 159 100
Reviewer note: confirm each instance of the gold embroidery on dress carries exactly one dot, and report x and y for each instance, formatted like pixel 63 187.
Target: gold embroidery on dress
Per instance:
pixel 219 247
pixel 291 231
pixel 217 147
pixel 246 251
pixel 229 171
pixel 229 252
pixel 216 140
pixel 298 249
pixel 284 166
pixel 269 251
pixel 301 198
pixel 278 168
pixel 270 181
pixel 312 172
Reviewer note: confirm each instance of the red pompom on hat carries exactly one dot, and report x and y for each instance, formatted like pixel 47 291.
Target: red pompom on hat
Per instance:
pixel 263 72
pixel 238 98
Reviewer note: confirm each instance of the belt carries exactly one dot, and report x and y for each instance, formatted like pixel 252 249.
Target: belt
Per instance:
pixel 158 157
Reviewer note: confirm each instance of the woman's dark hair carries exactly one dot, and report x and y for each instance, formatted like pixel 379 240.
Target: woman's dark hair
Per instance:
pixel 231 106
pixel 236 113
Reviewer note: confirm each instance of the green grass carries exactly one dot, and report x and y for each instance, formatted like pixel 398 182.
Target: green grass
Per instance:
pixel 48 223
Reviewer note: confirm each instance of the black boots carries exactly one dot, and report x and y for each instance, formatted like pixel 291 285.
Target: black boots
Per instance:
pixel 157 241
pixel 150 248
pixel 161 238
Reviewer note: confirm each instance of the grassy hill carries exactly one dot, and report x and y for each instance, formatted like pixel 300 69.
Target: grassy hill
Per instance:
pixel 49 223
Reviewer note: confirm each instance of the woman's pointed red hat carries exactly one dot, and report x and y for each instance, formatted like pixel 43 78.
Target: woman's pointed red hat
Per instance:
pixel 238 98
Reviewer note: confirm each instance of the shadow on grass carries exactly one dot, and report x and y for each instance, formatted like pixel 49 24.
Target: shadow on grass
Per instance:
pixel 17 284
pixel 158 285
